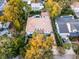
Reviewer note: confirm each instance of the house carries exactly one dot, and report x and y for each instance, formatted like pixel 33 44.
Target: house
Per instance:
pixel 39 22
pixel 75 8
pixel 2 3
pixel 37 6
pixel 4 29
pixel 31 1
pixel 67 26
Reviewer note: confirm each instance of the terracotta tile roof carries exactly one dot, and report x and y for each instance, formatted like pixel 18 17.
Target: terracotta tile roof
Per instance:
pixel 42 23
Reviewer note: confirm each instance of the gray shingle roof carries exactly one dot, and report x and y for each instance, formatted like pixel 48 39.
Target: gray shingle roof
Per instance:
pixel 74 34
pixel 74 25
pixel 65 19
pixel 62 24
pixel 77 14
pixel 63 28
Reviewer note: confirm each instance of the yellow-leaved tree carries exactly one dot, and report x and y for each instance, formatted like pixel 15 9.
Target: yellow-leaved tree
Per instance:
pixel 13 10
pixel 53 7
pixel 39 47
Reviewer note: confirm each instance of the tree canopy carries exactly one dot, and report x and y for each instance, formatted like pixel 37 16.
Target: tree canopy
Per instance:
pixel 53 7
pixel 13 10
pixel 39 47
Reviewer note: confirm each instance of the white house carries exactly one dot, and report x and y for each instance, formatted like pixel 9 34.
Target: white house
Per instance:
pixel 37 6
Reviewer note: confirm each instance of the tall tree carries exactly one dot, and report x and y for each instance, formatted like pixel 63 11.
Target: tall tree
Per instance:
pixel 11 47
pixel 53 7
pixel 39 47
pixel 13 11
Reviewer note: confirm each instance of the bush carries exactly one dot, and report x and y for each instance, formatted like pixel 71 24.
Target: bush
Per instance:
pixel 67 45
pixel 74 38
pixel 61 50
pixel 5 48
pixel 59 40
pixel 75 47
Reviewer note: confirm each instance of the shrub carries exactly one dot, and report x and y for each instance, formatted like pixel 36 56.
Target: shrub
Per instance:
pixel 67 45
pixel 75 48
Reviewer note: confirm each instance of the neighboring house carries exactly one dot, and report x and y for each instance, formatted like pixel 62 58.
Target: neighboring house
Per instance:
pixel 30 1
pixel 37 6
pixel 2 3
pixel 39 22
pixel 67 26
pixel 75 8
pixel 4 29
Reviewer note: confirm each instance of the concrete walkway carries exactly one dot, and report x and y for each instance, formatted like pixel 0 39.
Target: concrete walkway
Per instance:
pixel 69 54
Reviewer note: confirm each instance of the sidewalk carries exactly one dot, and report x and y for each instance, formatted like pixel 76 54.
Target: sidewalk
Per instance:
pixel 69 54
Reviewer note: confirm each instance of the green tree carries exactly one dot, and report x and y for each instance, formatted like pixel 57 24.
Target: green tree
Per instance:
pixel 11 47
pixel 27 9
pixel 5 50
pixel 67 11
